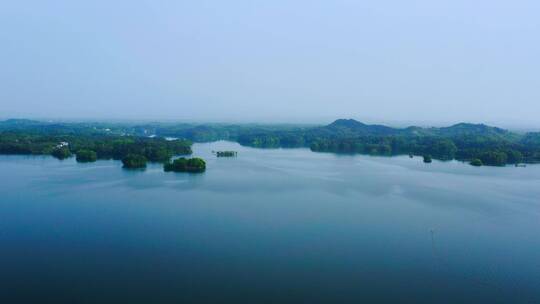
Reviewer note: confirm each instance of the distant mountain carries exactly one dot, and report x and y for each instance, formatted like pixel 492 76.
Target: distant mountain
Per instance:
pixel 340 128
pixel 464 129
pixel 19 124
pixel 355 127
pixel 351 127
pixel 346 123
pixel 419 131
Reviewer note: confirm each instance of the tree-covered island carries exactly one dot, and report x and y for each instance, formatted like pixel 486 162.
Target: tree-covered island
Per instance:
pixel 86 156
pixel 134 161
pixel 61 152
pixel 193 165
pixel 476 162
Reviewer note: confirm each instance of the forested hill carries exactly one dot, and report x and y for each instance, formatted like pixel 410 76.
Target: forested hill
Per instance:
pixel 463 141
pixel 353 127
pixel 349 128
pixel 356 128
pixel 210 132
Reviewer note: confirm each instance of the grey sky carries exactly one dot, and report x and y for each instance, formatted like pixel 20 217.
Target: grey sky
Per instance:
pixel 281 60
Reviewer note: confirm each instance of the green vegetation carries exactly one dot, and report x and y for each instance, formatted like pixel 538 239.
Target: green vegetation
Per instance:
pixel 194 165
pixel 427 159
pixel 464 142
pixel 476 162
pixel 88 145
pixel 61 152
pixel 86 156
pixel 154 149
pixel 226 153
pixel 105 146
pixel 493 158
pixel 134 161
pixel 514 157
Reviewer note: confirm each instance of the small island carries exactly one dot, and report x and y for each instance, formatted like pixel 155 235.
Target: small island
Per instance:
pixel 193 165
pixel 86 156
pixel 226 153
pixel 134 161
pixel 61 152
pixel 476 162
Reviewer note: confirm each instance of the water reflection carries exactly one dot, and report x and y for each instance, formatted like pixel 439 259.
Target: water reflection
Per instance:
pixel 324 227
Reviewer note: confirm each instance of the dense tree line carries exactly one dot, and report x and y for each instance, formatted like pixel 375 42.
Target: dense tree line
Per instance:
pixel 466 142
pixel 153 149
pixel 500 154
pixel 492 151
pixel 102 146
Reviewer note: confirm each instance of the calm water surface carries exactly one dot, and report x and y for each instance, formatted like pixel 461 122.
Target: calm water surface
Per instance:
pixel 270 226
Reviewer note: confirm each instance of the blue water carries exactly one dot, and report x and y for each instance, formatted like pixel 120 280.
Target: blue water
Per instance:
pixel 269 226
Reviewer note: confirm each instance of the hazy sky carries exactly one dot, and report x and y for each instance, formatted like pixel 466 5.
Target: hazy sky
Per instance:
pixel 279 60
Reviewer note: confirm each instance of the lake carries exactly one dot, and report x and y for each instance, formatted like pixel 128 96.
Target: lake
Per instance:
pixel 269 226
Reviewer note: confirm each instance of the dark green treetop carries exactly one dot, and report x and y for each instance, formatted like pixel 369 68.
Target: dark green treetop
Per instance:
pixel 61 153
pixel 86 156
pixel 476 162
pixel 134 161
pixel 194 165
